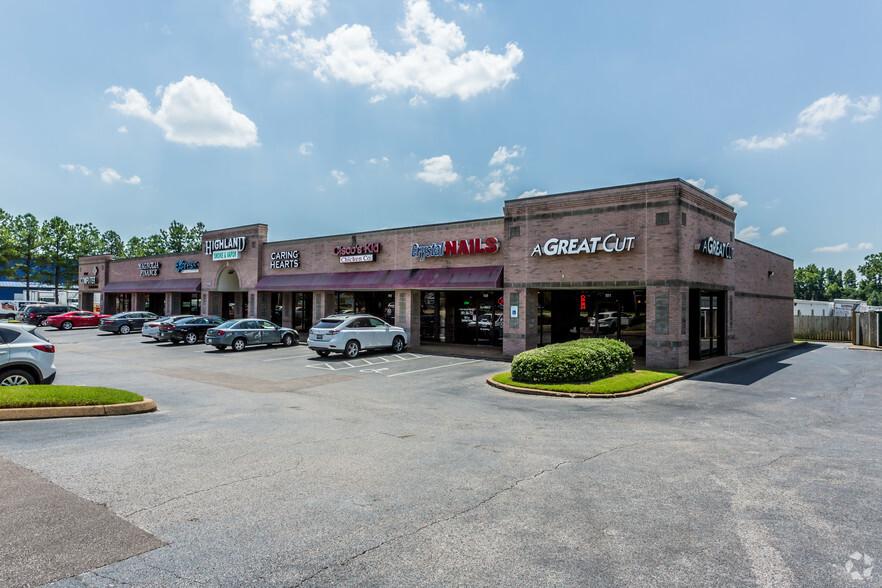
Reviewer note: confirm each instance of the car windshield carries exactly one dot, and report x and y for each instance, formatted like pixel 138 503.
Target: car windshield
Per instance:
pixel 120 315
pixel 227 325
pixel 328 323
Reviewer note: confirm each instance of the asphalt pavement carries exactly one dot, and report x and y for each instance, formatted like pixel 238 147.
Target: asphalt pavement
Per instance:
pixel 274 467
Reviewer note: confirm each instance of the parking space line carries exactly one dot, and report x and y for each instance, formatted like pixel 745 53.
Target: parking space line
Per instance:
pixel 365 362
pixel 434 368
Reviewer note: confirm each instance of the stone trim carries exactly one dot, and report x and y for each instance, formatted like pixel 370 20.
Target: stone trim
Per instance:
pixel 768 296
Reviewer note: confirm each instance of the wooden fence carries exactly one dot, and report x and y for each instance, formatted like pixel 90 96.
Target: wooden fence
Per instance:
pixel 867 326
pixel 823 328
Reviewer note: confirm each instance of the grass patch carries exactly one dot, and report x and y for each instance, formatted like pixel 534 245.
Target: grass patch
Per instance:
pixel 41 396
pixel 619 383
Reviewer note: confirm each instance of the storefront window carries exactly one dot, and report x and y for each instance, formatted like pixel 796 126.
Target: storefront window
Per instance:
pixel 565 315
pixel 191 303
pixel 462 317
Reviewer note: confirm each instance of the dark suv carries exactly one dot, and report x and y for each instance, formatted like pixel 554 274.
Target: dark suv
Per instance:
pixel 37 315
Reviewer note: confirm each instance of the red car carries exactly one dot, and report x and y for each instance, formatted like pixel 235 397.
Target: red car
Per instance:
pixel 77 318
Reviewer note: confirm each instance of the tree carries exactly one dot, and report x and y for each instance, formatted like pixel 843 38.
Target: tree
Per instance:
pixel 872 269
pixel 136 248
pixel 156 244
pixel 808 283
pixel 178 235
pixel 58 260
pixel 87 240
pixel 113 244
pixel 25 243
pixel 6 248
pixel 195 238
pixel 849 281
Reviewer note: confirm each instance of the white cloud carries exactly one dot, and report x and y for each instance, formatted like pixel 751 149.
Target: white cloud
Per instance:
pixel 503 154
pixel 814 117
pixel 111 176
pixel 375 161
pixel 843 247
pixel 377 98
pixel 750 233
pixel 122 130
pixel 736 201
pixel 418 100
pixel 305 148
pixel 339 176
pixel 779 231
pixel 494 191
pixel 467 7
pixel 438 171
pixel 193 111
pixel 701 184
pixel 533 192
pixel 437 62
pixel 71 167
pixel 274 14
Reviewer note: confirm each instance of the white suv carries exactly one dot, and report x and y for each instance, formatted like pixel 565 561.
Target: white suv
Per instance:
pixel 350 333
pixel 26 357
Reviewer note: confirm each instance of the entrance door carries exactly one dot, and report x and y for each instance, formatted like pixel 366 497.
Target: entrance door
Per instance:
pixel 707 324
pixel 228 305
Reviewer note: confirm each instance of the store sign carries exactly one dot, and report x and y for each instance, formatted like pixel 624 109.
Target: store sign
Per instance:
pixel 716 248
pixel 460 247
pixel 187 267
pixel 285 259
pixel 609 244
pixel 357 253
pixel 222 245
pixel 88 280
pixel 225 254
pixel 149 268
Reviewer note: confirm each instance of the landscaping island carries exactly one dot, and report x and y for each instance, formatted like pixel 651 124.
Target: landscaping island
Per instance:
pixel 585 367
pixel 39 401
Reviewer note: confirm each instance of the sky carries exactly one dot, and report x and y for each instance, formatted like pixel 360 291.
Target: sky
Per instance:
pixel 322 117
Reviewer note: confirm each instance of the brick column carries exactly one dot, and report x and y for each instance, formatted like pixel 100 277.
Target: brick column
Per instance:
pixel 667 327
pixel 516 332
pixel 407 315
pixel 324 302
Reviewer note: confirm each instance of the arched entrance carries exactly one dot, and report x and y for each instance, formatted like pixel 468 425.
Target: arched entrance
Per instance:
pixel 233 300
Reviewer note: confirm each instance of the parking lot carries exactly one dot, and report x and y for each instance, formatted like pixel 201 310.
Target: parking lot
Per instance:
pixel 274 466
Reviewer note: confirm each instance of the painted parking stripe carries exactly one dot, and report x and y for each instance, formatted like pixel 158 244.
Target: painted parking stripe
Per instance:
pixel 365 362
pixel 437 367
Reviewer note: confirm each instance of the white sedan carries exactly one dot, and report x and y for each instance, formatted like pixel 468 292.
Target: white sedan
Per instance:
pixel 350 333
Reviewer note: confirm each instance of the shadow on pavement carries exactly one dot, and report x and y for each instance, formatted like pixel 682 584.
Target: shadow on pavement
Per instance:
pixel 752 371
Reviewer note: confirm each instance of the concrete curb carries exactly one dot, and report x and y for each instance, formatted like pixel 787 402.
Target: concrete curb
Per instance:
pixel 57 412
pixel 538 392
pixel 735 359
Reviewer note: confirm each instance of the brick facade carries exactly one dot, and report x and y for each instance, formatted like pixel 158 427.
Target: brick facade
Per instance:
pixel 643 237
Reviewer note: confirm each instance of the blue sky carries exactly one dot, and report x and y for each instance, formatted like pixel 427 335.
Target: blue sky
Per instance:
pixel 322 117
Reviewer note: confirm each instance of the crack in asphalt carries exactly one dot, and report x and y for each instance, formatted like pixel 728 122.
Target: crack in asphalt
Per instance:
pixel 462 512
pixel 210 488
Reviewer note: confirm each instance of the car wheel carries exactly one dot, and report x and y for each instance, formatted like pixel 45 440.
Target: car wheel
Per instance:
pixel 125 329
pixel 16 378
pixel 323 353
pixel 288 340
pixel 220 347
pixel 67 325
pixel 238 344
pixel 43 322
pixel 191 338
pixel 352 348
pixel 398 345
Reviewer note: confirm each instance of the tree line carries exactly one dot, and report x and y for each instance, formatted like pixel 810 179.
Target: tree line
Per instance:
pixel 48 251
pixel 814 283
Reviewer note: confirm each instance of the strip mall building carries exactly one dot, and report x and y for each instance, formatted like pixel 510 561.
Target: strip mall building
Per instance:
pixel 660 255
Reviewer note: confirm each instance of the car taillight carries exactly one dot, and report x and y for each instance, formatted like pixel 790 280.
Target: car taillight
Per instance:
pixel 33 315
pixel 221 333
pixel 333 332
pixel 46 348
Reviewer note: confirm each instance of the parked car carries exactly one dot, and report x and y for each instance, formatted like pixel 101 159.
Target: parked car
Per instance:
pixel 151 328
pixel 240 333
pixel 350 333
pixel 38 314
pixel 191 330
pixel 26 357
pixel 22 306
pixel 76 318
pixel 124 323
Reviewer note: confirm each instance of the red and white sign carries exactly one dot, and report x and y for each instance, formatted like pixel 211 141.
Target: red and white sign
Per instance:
pixel 357 258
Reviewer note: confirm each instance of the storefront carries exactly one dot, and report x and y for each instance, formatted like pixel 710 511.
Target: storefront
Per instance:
pixel 655 265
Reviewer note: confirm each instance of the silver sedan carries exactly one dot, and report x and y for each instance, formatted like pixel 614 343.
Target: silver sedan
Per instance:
pixel 240 333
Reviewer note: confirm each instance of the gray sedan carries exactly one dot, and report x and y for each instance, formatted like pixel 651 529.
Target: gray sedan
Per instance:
pixel 240 333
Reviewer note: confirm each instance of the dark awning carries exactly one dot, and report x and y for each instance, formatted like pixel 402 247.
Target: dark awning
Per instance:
pixel 445 278
pixel 188 285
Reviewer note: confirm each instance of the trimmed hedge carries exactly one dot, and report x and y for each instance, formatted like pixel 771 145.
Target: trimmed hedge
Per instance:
pixel 582 360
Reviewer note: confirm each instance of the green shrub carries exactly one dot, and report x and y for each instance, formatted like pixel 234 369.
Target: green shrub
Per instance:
pixel 582 360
